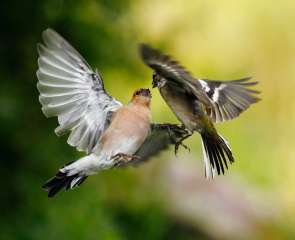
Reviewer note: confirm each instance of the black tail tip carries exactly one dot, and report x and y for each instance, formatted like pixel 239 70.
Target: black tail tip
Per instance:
pixel 218 152
pixel 60 181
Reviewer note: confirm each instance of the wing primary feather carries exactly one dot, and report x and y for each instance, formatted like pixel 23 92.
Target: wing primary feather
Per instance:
pixel 232 97
pixel 70 90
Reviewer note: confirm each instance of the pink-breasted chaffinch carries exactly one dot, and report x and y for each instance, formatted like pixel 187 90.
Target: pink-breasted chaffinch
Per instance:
pixel 111 134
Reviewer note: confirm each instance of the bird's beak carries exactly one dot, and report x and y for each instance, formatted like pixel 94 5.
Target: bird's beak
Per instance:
pixel 155 80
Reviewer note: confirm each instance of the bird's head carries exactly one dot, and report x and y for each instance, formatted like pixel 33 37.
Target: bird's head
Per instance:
pixel 158 81
pixel 142 96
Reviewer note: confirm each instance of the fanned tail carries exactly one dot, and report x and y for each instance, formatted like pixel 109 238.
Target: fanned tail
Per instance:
pixel 62 180
pixel 74 173
pixel 217 154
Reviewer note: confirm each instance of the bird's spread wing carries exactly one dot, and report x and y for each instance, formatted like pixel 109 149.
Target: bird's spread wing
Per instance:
pixel 224 100
pixel 172 71
pixel 72 91
pixel 228 98
pixel 160 138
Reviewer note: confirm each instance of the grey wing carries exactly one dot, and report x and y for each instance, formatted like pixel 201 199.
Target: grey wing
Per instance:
pixel 172 71
pixel 160 138
pixel 229 98
pixel 72 91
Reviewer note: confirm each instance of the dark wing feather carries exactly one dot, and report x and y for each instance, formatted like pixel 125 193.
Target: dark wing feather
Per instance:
pixel 160 138
pixel 172 71
pixel 72 91
pixel 223 100
pixel 229 98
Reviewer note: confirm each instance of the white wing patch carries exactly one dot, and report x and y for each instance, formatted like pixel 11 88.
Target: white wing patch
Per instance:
pixel 204 85
pixel 228 98
pixel 213 93
pixel 217 90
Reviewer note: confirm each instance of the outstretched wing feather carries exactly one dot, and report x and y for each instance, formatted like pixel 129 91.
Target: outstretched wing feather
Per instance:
pixel 72 91
pixel 172 71
pixel 224 100
pixel 229 98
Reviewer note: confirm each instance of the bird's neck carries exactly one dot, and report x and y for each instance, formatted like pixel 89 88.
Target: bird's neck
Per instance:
pixel 140 102
pixel 140 108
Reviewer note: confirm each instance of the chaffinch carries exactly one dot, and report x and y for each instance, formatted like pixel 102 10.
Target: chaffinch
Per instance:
pixel 199 103
pixel 111 134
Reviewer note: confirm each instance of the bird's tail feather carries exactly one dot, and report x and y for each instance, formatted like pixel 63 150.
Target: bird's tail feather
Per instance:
pixel 216 152
pixel 63 180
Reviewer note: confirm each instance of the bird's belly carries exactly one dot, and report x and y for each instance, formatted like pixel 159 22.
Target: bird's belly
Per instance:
pixel 124 136
pixel 182 107
pixel 187 120
pixel 127 145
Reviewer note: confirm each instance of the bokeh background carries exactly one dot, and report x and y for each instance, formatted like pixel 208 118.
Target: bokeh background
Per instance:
pixel 166 198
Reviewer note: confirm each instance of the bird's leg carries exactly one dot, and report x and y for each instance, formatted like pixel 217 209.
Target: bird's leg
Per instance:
pixel 120 159
pixel 180 142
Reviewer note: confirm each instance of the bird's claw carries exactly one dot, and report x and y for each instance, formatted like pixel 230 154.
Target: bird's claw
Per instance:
pixel 121 159
pixel 180 143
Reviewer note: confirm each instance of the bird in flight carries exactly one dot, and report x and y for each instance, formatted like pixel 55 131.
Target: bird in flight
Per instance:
pixel 111 134
pixel 199 103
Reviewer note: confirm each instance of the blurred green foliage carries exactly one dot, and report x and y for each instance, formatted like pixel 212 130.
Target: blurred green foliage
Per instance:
pixel 217 40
